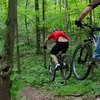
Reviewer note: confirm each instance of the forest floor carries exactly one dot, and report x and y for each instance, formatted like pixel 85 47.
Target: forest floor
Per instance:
pixel 37 94
pixel 33 93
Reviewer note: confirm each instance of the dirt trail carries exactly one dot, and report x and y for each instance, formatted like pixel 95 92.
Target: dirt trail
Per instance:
pixel 31 95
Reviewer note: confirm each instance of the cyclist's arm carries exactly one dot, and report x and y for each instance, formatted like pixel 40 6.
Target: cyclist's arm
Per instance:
pixel 95 3
pixel 84 13
pixel 91 6
pixel 45 42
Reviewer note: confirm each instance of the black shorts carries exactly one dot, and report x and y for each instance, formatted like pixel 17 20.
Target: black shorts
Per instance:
pixel 60 46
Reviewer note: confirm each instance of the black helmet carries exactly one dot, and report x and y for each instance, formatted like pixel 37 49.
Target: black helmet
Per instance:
pixel 55 29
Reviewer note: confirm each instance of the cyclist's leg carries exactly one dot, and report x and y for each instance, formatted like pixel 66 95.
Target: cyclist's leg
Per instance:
pixel 97 49
pixel 54 52
pixel 66 69
pixel 54 58
pixel 65 47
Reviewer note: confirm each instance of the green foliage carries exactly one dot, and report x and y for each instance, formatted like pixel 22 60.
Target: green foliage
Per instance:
pixel 32 69
pixel 34 74
pixel 16 86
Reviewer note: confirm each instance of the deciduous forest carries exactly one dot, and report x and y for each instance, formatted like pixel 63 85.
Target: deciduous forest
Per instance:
pixel 24 25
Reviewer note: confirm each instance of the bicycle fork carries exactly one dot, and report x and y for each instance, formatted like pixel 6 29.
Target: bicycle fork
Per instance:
pixel 82 60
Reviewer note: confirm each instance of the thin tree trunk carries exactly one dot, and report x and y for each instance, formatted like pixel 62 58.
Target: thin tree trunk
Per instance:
pixel 17 42
pixel 90 14
pixel 38 51
pixel 63 2
pixel 94 16
pixel 60 4
pixel 69 23
pixel 66 17
pixel 6 61
pixel 26 23
pixel 55 4
pixel 43 19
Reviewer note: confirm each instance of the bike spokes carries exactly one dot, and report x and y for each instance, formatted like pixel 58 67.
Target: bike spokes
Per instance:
pixel 80 62
pixel 51 71
pixel 66 68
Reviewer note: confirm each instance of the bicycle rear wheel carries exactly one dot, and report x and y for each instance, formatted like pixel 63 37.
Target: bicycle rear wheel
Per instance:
pixel 80 61
pixel 51 71
pixel 66 69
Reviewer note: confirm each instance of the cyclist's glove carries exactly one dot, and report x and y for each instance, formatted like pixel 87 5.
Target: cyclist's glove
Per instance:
pixel 45 47
pixel 78 23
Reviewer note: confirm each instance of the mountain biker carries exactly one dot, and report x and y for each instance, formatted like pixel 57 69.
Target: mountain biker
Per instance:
pixel 62 45
pixel 91 6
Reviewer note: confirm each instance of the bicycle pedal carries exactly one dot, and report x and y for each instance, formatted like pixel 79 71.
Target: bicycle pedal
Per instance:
pixel 57 66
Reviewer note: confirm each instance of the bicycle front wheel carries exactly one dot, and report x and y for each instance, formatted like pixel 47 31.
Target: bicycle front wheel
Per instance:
pixel 51 71
pixel 80 61
pixel 66 69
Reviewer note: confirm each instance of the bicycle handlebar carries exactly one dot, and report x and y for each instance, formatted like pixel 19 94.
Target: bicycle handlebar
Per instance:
pixel 93 28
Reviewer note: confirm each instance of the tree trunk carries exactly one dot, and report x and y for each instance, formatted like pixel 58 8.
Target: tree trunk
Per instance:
pixel 5 85
pixel 43 19
pixel 63 2
pixel 66 16
pixel 55 4
pixel 26 22
pixel 17 42
pixel 90 14
pixel 6 61
pixel 18 53
pixel 60 5
pixel 37 27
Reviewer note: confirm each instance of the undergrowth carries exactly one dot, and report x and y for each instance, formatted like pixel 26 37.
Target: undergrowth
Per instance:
pixel 34 73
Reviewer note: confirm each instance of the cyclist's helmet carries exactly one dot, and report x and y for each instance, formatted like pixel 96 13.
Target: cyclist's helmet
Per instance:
pixel 56 29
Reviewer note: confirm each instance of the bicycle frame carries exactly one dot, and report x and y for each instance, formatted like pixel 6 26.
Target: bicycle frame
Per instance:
pixel 91 40
pixel 82 57
pixel 60 60
pixel 92 35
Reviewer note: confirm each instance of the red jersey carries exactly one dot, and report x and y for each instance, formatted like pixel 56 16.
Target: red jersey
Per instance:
pixel 55 35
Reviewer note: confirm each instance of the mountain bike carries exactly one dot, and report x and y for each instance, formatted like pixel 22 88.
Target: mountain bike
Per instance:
pixel 82 58
pixel 65 68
